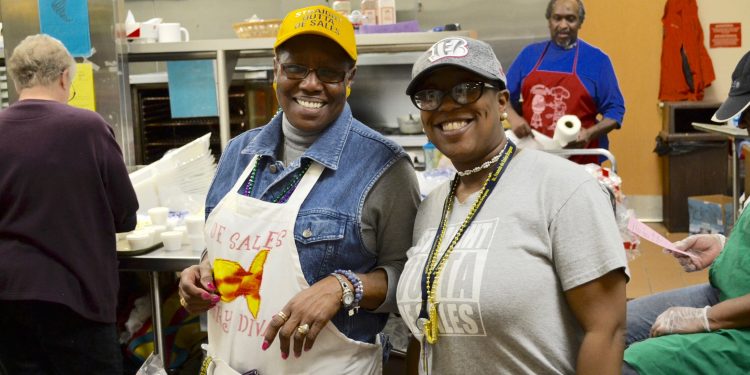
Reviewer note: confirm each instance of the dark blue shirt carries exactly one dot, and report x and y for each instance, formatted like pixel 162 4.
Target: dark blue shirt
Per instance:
pixel 64 192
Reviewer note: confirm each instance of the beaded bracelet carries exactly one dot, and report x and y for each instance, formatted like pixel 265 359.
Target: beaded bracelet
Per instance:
pixel 359 289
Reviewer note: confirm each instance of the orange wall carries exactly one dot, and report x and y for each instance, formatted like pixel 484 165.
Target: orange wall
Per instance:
pixel 630 33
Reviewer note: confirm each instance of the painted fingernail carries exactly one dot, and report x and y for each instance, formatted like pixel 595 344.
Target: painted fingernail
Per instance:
pixel 211 286
pixel 215 298
pixel 296 355
pixel 205 296
pixel 306 349
pixel 284 355
pixel 265 345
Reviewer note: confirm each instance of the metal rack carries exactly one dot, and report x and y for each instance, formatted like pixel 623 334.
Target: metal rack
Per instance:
pixel 374 49
pixel 156 131
pixel 588 151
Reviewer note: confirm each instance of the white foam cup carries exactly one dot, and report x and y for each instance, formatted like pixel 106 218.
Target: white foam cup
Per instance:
pixel 158 215
pixel 197 243
pixel 172 240
pixel 158 230
pixel 194 224
pixel 139 240
pixel 183 229
pixel 149 232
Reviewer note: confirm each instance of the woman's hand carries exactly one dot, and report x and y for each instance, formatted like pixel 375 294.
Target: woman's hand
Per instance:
pixel 312 308
pixel 584 137
pixel 521 129
pixel 197 290
pixel 680 320
pixel 705 247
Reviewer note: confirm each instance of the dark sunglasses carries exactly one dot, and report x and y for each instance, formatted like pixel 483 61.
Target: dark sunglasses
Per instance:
pixel 327 75
pixel 462 93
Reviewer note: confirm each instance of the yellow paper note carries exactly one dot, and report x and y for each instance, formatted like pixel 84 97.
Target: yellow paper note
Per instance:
pixel 82 90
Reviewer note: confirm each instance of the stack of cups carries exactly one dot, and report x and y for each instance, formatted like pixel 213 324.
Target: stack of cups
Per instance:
pixel 158 215
pixel 194 225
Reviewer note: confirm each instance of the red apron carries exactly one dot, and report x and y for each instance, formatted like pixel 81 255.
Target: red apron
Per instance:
pixel 547 96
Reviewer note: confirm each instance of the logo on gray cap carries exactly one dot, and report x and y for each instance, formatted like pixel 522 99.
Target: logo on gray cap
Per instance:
pixel 462 52
pixel 449 47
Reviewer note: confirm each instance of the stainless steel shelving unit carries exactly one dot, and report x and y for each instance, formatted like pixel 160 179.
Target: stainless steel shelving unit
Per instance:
pixel 374 49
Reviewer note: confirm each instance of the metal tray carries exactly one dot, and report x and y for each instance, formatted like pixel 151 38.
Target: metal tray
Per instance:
pixel 124 250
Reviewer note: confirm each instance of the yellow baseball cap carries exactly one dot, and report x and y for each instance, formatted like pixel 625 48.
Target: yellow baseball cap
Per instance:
pixel 318 20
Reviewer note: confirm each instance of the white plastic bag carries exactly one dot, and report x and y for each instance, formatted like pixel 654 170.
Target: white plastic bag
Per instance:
pixel 152 366
pixel 613 183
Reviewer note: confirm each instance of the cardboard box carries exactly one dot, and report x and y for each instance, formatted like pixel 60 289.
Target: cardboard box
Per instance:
pixel 710 214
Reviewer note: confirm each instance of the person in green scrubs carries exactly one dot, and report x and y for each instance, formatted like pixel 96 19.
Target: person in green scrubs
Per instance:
pixel 703 329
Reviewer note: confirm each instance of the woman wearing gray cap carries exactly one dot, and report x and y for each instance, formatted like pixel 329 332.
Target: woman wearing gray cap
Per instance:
pixel 701 329
pixel 517 266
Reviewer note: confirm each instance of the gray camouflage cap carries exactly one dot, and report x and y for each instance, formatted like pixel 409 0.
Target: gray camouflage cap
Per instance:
pixel 463 52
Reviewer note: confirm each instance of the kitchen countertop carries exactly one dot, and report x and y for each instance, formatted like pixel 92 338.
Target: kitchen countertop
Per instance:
pixel 160 260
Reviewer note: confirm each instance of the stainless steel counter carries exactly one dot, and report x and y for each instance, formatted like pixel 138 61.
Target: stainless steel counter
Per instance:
pixel 161 260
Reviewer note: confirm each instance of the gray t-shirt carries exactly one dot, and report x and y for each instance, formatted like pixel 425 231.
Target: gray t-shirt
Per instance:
pixel 546 228
pixel 386 214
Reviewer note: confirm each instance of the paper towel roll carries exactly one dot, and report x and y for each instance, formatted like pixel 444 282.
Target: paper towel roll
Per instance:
pixel 567 129
pixel 538 142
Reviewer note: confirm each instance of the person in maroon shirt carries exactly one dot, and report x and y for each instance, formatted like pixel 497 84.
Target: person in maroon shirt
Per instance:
pixel 64 193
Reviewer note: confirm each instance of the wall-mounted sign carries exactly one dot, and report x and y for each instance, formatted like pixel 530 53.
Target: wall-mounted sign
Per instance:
pixel 82 89
pixel 726 35
pixel 67 21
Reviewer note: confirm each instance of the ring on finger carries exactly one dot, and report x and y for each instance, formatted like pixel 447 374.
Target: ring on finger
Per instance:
pixel 183 302
pixel 282 316
pixel 303 329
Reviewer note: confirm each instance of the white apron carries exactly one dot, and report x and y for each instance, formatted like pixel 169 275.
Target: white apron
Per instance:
pixel 257 271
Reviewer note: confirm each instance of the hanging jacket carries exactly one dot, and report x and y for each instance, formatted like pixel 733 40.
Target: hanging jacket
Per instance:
pixel 686 68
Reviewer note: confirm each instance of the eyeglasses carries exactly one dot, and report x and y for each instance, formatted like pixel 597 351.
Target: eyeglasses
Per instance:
pixel 296 71
pixel 462 93
pixel 72 93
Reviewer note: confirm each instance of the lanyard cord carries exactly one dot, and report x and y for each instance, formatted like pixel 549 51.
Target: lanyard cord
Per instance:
pixel 434 265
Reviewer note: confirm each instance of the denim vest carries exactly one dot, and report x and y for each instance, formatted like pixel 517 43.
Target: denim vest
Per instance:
pixel 327 232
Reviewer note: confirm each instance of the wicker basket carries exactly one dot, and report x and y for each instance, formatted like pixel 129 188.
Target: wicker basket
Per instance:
pixel 257 29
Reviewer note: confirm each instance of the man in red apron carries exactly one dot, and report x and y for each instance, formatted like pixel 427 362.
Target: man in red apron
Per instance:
pixel 565 76
pixel 309 219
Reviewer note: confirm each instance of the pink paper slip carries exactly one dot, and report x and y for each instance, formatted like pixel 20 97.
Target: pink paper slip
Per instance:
pixel 650 235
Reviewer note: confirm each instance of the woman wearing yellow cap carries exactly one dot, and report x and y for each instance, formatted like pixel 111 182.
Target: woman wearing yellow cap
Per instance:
pixel 308 221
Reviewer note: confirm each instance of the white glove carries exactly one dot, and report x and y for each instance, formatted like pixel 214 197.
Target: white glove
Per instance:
pixel 705 247
pixel 681 320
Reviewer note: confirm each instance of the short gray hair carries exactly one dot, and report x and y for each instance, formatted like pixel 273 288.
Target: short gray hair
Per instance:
pixel 581 10
pixel 38 61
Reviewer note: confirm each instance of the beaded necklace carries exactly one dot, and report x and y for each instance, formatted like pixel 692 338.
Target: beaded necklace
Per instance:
pixel 428 320
pixel 283 196
pixel 484 166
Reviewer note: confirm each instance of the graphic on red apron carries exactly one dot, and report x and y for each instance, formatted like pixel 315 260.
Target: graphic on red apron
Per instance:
pixel 548 97
pixel 233 281
pixel 554 94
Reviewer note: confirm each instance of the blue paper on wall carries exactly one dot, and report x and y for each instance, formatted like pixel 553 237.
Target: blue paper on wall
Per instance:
pixel 192 88
pixel 68 21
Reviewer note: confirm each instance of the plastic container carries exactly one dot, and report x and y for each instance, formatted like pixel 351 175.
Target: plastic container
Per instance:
pixel 386 12
pixel 369 9
pixel 342 6
pixel 431 156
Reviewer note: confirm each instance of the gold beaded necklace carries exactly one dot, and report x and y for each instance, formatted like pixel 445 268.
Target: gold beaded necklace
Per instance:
pixel 428 320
